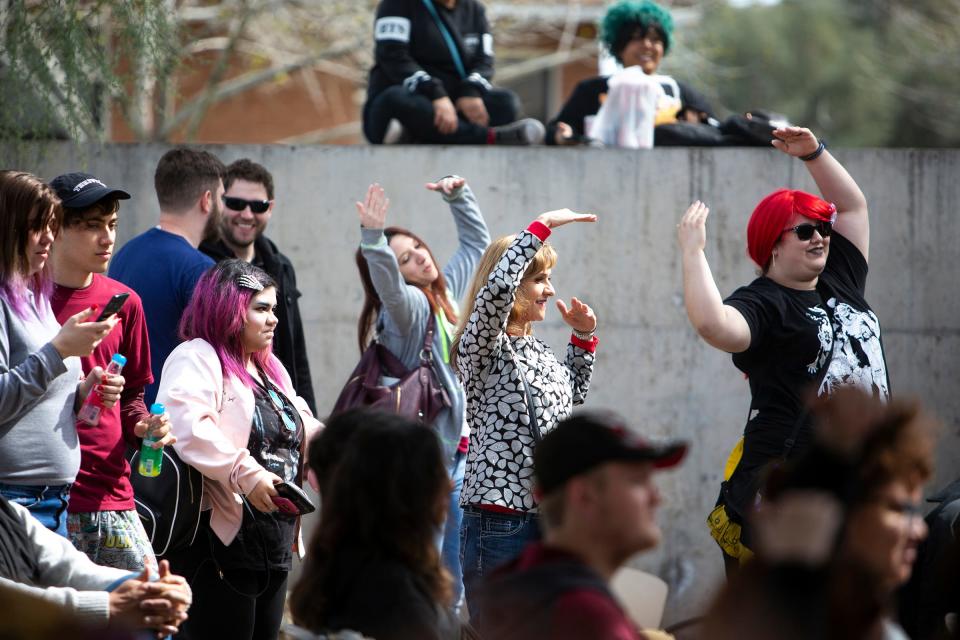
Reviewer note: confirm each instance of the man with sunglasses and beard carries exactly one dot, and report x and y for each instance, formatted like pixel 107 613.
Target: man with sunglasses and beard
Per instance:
pixel 247 208
pixel 803 325
pixel 163 264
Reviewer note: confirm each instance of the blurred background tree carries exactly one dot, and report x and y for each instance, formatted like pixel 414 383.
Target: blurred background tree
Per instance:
pixel 862 72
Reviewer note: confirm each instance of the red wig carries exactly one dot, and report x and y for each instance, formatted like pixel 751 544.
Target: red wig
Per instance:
pixel 774 213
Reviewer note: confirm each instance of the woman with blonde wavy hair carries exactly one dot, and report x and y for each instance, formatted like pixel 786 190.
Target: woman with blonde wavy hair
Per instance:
pixel 516 389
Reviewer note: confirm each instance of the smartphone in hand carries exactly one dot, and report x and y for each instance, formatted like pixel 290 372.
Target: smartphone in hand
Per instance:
pixel 292 500
pixel 115 304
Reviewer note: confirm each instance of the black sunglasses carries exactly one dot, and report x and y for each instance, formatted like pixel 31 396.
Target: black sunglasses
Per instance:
pixel 805 231
pixel 239 204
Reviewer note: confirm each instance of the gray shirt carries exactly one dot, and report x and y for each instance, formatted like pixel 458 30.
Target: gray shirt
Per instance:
pixel 38 431
pixel 402 323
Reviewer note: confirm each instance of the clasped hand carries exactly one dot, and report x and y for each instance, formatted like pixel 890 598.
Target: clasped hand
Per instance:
pixel 160 605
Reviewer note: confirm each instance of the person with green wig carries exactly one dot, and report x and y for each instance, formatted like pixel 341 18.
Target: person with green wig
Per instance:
pixel 638 34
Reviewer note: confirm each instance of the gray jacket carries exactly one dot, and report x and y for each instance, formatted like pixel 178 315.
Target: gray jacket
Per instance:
pixel 402 323
pixel 66 576
pixel 38 430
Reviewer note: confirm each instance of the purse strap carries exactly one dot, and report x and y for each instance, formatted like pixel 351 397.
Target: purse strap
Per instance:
pixel 447 38
pixel 427 352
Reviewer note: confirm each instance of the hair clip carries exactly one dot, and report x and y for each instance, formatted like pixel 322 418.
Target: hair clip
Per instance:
pixel 249 282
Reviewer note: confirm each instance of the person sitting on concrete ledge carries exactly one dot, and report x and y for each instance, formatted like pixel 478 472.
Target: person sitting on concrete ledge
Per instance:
pixel 628 108
pixel 597 505
pixel 430 83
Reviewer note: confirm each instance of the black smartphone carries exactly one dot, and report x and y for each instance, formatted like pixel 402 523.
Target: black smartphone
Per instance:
pixel 292 500
pixel 116 302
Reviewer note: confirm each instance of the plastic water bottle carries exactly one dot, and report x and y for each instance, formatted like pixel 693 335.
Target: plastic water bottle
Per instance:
pixel 93 405
pixel 150 458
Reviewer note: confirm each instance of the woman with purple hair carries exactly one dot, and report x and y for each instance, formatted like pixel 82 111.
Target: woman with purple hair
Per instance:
pixel 39 370
pixel 239 422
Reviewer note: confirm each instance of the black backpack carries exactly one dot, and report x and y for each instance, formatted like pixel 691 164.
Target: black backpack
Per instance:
pixel 168 504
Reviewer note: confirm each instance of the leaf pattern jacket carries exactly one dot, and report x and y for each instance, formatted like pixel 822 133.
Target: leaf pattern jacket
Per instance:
pixel 500 458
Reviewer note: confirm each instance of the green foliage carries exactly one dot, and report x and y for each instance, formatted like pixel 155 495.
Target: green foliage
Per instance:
pixel 63 61
pixel 862 73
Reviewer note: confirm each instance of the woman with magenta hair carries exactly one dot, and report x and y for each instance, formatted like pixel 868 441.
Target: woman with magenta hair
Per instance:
pixel 802 326
pixel 39 367
pixel 406 295
pixel 239 422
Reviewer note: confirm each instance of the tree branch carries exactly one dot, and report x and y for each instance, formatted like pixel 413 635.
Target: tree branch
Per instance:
pixel 249 80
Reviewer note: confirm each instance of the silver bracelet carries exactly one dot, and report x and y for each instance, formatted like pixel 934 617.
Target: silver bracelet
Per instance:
pixel 585 335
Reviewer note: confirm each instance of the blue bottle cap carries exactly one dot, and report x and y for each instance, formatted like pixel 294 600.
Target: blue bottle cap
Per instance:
pixel 157 409
pixel 119 359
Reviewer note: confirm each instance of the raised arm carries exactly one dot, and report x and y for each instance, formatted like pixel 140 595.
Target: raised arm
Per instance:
pixel 405 304
pixel 834 183
pixel 472 232
pixel 481 334
pixel 720 325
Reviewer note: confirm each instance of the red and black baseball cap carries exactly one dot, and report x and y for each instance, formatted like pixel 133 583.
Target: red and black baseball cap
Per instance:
pixel 591 438
pixel 80 190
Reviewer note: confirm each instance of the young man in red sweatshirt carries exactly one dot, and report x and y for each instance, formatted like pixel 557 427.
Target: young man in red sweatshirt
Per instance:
pixel 102 520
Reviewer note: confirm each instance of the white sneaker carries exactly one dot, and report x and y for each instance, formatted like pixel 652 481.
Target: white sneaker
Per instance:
pixel 522 132
pixel 394 132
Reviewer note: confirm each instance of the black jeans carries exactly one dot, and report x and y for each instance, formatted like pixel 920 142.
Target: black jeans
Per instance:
pixel 415 113
pixel 241 604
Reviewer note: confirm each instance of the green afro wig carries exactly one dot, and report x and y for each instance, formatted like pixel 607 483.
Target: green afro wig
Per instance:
pixel 622 18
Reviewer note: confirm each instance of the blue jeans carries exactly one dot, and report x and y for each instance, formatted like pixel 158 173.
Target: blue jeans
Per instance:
pixel 450 544
pixel 487 540
pixel 48 504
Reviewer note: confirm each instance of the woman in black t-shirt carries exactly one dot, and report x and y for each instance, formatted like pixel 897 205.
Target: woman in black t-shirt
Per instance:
pixel 803 323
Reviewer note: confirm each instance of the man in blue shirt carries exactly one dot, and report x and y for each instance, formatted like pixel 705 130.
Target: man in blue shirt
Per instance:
pixel 163 264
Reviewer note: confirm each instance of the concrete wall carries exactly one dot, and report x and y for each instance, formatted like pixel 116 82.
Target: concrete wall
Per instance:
pixel 650 365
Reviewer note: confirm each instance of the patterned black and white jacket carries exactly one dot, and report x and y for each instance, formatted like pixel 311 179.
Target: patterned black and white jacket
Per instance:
pixel 500 458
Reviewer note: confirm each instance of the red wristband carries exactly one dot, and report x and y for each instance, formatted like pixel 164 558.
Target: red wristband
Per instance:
pixel 540 230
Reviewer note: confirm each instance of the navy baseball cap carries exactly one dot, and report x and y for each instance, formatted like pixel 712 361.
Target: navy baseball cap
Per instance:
pixel 591 438
pixel 80 190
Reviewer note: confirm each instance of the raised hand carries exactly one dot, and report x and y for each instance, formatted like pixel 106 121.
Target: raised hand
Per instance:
pixel 444 115
pixel 78 337
pixel 579 316
pixel 692 230
pixel 560 217
pixel 373 210
pixel 795 141
pixel 447 185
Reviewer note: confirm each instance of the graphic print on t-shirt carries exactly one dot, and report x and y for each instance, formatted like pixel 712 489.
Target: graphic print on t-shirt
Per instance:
pixel 825 335
pixel 857 355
